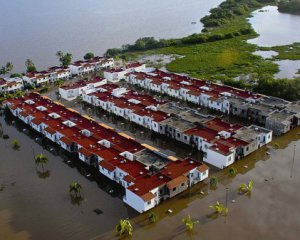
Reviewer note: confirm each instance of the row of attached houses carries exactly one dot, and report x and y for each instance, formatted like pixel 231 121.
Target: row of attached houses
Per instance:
pixel 276 114
pixel 71 92
pixel 220 141
pixel 117 74
pixel 44 77
pixel 147 175
pixel 83 67
pixel 77 68
pixel 11 85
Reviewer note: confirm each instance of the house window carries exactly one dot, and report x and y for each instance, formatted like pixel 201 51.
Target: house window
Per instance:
pixel 174 189
pixel 149 202
pixel 182 184
pixel 247 148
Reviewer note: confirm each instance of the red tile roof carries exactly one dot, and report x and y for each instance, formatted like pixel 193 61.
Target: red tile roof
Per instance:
pixel 107 166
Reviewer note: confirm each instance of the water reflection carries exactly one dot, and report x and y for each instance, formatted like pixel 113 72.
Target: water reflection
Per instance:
pixel 76 200
pixel 43 174
pixel 288 69
pixel 266 54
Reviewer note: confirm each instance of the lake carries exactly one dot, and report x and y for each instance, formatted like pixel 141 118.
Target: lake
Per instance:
pixel 274 28
pixel 38 29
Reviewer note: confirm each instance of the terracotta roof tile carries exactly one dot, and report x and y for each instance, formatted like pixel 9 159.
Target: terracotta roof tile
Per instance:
pixel 177 182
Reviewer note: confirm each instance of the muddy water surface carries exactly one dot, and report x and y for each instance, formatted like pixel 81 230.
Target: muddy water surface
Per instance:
pixel 38 206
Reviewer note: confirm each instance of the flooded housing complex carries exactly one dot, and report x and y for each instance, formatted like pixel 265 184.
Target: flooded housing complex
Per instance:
pixel 222 143
pixel 148 175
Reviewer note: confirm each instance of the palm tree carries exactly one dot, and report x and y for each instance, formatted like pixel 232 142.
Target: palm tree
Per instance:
pixel 152 217
pixel 232 171
pixel 6 69
pixel 124 228
pixel 75 188
pixel 41 159
pixel 219 208
pixel 213 181
pixel 246 188
pixel 189 223
pixel 9 67
pixel 30 66
pixel 59 54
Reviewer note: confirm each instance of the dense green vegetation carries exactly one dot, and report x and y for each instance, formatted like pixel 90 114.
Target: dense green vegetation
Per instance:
pixel 221 52
pixel 30 66
pixel 6 69
pixel 221 60
pixel 289 6
pixel 231 9
pixel 89 56
pixel 65 59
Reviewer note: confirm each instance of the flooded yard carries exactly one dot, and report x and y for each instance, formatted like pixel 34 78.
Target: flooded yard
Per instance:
pixel 40 208
pixel 269 212
pixel 34 205
pixel 39 204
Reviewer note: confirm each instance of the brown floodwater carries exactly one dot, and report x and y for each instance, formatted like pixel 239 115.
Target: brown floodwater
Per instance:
pixel 34 205
pixel 270 212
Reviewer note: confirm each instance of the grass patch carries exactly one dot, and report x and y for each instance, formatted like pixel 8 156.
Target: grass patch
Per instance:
pixel 231 57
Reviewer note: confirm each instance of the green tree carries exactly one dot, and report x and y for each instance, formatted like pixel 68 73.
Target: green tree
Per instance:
pixel 232 171
pixel 89 56
pixel 124 228
pixel 246 188
pixel 41 159
pixel 16 144
pixel 152 217
pixel 16 75
pixel 189 223
pixel 64 58
pixel 219 208
pixel 30 66
pixel 75 189
pixel 7 68
pixel 213 181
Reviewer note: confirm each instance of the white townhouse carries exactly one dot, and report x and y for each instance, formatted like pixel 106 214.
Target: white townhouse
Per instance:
pixel 115 75
pixel 220 155
pixel 135 67
pixel 193 97
pixel 37 78
pixel 80 68
pixel 10 85
pixel 71 92
pixel 89 66
pixel 56 73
